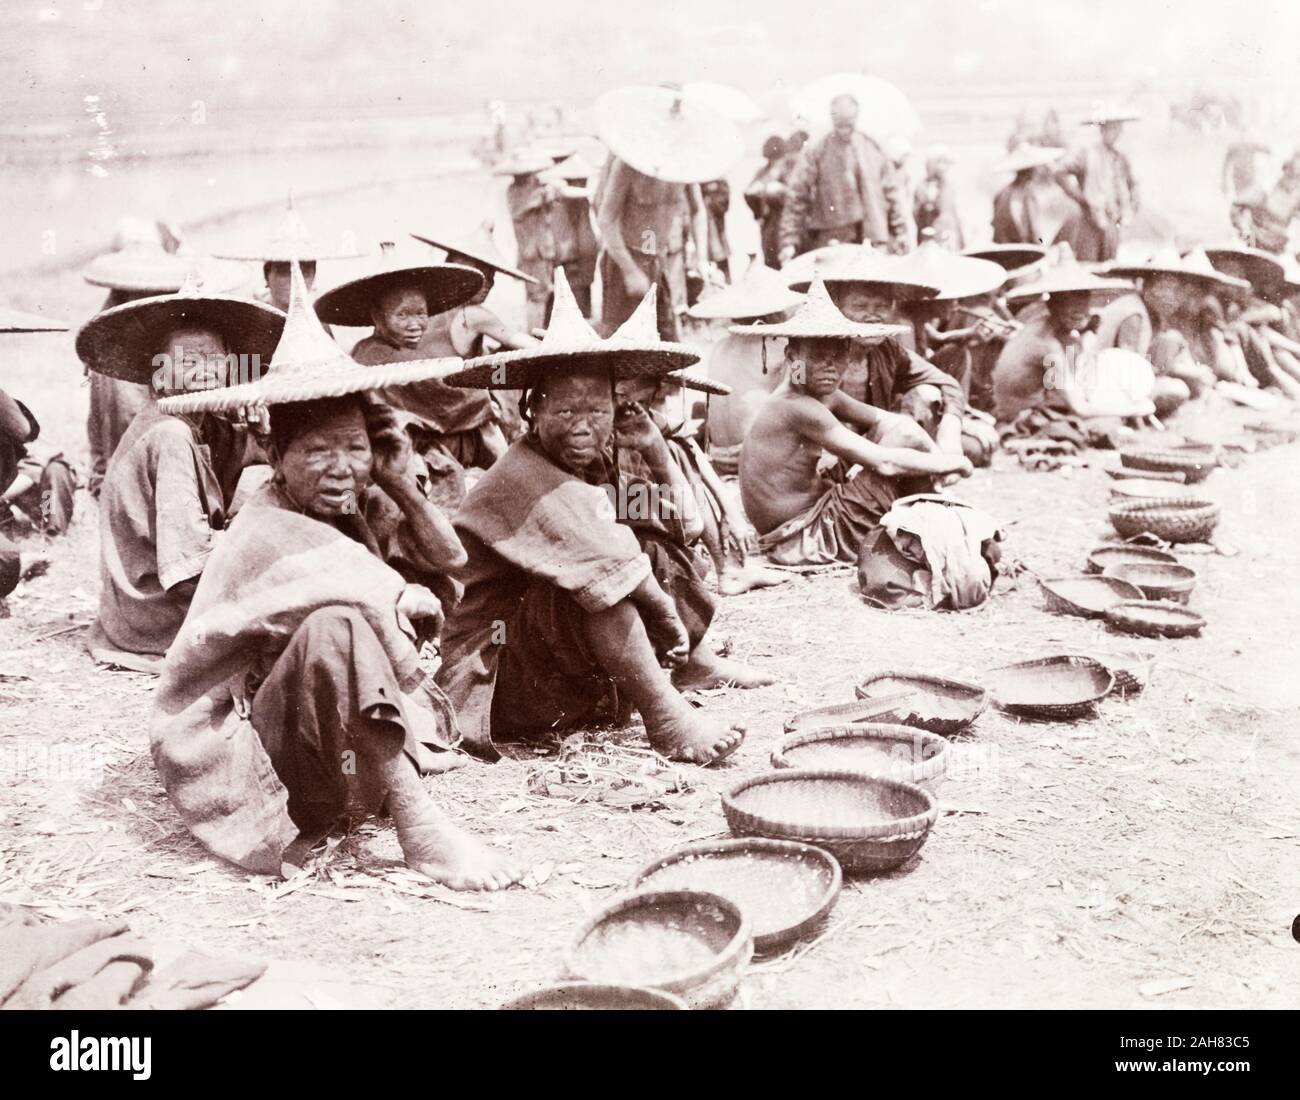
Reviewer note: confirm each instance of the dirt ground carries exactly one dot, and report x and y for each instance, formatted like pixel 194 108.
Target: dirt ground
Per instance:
pixel 1148 856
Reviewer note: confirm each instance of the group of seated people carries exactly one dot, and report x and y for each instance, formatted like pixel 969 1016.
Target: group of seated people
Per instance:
pixel 563 582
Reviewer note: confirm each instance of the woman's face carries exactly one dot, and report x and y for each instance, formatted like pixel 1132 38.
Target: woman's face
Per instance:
pixel 327 467
pixel 402 317
pixel 574 419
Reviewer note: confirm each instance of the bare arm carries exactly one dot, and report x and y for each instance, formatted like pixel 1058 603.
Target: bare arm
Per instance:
pixel 608 221
pixel 819 426
pixel 13 421
pixel 479 321
pixel 852 411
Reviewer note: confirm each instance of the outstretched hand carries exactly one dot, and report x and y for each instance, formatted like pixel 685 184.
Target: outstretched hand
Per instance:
pixel 391 451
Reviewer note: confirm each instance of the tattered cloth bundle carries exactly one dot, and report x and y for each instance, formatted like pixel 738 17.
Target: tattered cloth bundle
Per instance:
pixel 932 552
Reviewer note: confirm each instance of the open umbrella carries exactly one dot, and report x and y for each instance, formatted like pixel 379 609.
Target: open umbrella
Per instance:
pixel 883 110
pixel 726 100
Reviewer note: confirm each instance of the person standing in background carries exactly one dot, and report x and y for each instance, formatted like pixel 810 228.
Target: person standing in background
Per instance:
pixel 529 201
pixel 1100 180
pixel 935 206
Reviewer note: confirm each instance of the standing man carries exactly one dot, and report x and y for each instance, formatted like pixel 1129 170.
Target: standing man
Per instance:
pixel 1100 180
pixel 529 200
pixel 576 247
pixel 844 190
pixel 935 204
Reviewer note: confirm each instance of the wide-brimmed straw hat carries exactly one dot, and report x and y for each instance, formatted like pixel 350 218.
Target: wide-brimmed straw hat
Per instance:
pixel 141 267
pixel 1103 113
pixel 693 381
pixel 930 264
pixel 857 264
pixel 1195 268
pixel 668 135
pixel 16 320
pixel 1262 270
pixel 307 365
pixel 1025 156
pixel 122 342
pixel 759 292
pixel 576 167
pixel 444 287
pixel 478 246
pixel 818 318
pixel 571 344
pixel 1011 257
pixel 1067 276
pixel 289 241
pixel 524 162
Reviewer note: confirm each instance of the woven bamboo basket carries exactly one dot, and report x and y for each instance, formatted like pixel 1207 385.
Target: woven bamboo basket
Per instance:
pixel 1086 595
pixel 1059 687
pixel 935 703
pixel 1194 464
pixel 894 751
pixel 1131 670
pixel 591 995
pixel 1155 619
pixel 1182 519
pixel 1157 581
pixel 870 824
pixel 1118 553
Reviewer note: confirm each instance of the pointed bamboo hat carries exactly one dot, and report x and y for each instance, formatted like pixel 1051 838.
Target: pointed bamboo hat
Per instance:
pixel 121 342
pixel 692 381
pixel 1262 270
pixel 444 287
pixel 307 365
pixel 145 267
pixel 668 135
pixel 819 318
pixel 524 162
pixel 1067 276
pixel 570 343
pixel 1026 155
pixel 290 241
pixel 858 265
pixel 930 264
pixel 1195 267
pixel 575 167
pixel 759 292
pixel 1103 113
pixel 1010 257
pixel 16 320
pixel 478 246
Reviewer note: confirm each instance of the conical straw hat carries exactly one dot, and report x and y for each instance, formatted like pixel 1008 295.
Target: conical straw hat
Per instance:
pixel 1195 267
pixel 570 343
pixel 15 320
pixel 144 267
pixel 524 162
pixel 819 318
pixel 1103 113
pixel 308 365
pixel 477 246
pixel 121 342
pixel 444 286
pixel 757 293
pixel 857 264
pixel 1011 257
pixel 290 241
pixel 698 382
pixel 1026 155
pixel 575 167
pixel 1262 270
pixel 665 134
pixel 930 264
pixel 1068 277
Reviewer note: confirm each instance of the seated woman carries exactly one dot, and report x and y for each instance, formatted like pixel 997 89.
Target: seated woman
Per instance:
pixel 804 517
pixel 170 482
pixel 450 429
pixel 579 589
pixel 293 698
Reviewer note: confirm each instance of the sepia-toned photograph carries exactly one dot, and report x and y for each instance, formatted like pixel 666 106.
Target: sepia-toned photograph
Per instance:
pixel 745 506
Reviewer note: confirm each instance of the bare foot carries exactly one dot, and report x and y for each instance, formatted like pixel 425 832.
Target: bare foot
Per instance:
pixel 440 763
pixel 705 669
pixel 447 854
pixel 737 578
pixel 692 738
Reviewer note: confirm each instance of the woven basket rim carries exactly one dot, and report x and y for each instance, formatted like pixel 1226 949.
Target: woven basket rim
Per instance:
pixel 1185 506
pixel 922 771
pixel 852 706
pixel 1186 578
pixel 1117 584
pixel 1149 553
pixel 1073 659
pixel 1129 611
pixel 897 829
pixel 669 1000
pixel 729 957
pixel 963 687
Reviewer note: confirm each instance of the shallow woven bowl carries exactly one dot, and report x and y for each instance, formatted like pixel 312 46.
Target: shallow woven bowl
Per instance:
pixel 1145 488
pixel 1155 619
pixel 868 823
pixel 852 713
pixel 1088 594
pixel 1131 670
pixel 1194 464
pixel 690 943
pixel 1123 473
pixel 1157 580
pixel 1104 556
pixel 591 995
pixel 1066 686
pixel 784 888
pixel 1181 519
pixel 895 751
pixel 934 703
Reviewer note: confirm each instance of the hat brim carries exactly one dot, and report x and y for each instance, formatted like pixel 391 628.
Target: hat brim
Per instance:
pixel 273 255
pixel 157 272
pixel 122 342
pixel 1010 257
pixel 899 291
pixel 452 247
pixel 699 383
pixel 524 369
pixel 15 320
pixel 729 304
pixel 305 385
pixel 667 135
pixel 1267 276
pixel 1206 279
pixel 800 329
pixel 444 286
pixel 1116 116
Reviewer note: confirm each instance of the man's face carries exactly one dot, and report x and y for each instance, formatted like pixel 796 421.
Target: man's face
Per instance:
pixel 866 303
pixel 1166 295
pixel 279 280
pixel 844 116
pixel 1070 311
pixel 326 468
pixel 574 419
pixel 402 317
pixel 198 360
pixel 816 366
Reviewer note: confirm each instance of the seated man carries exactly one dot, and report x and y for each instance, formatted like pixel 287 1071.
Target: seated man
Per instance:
pixel 169 485
pixel 451 429
pixel 579 588
pixel 293 699
pixel 801 516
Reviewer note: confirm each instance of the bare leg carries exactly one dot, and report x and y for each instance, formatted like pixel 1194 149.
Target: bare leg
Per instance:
pixel 618 638
pixel 705 669
pixel 736 572
pixel 432 845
